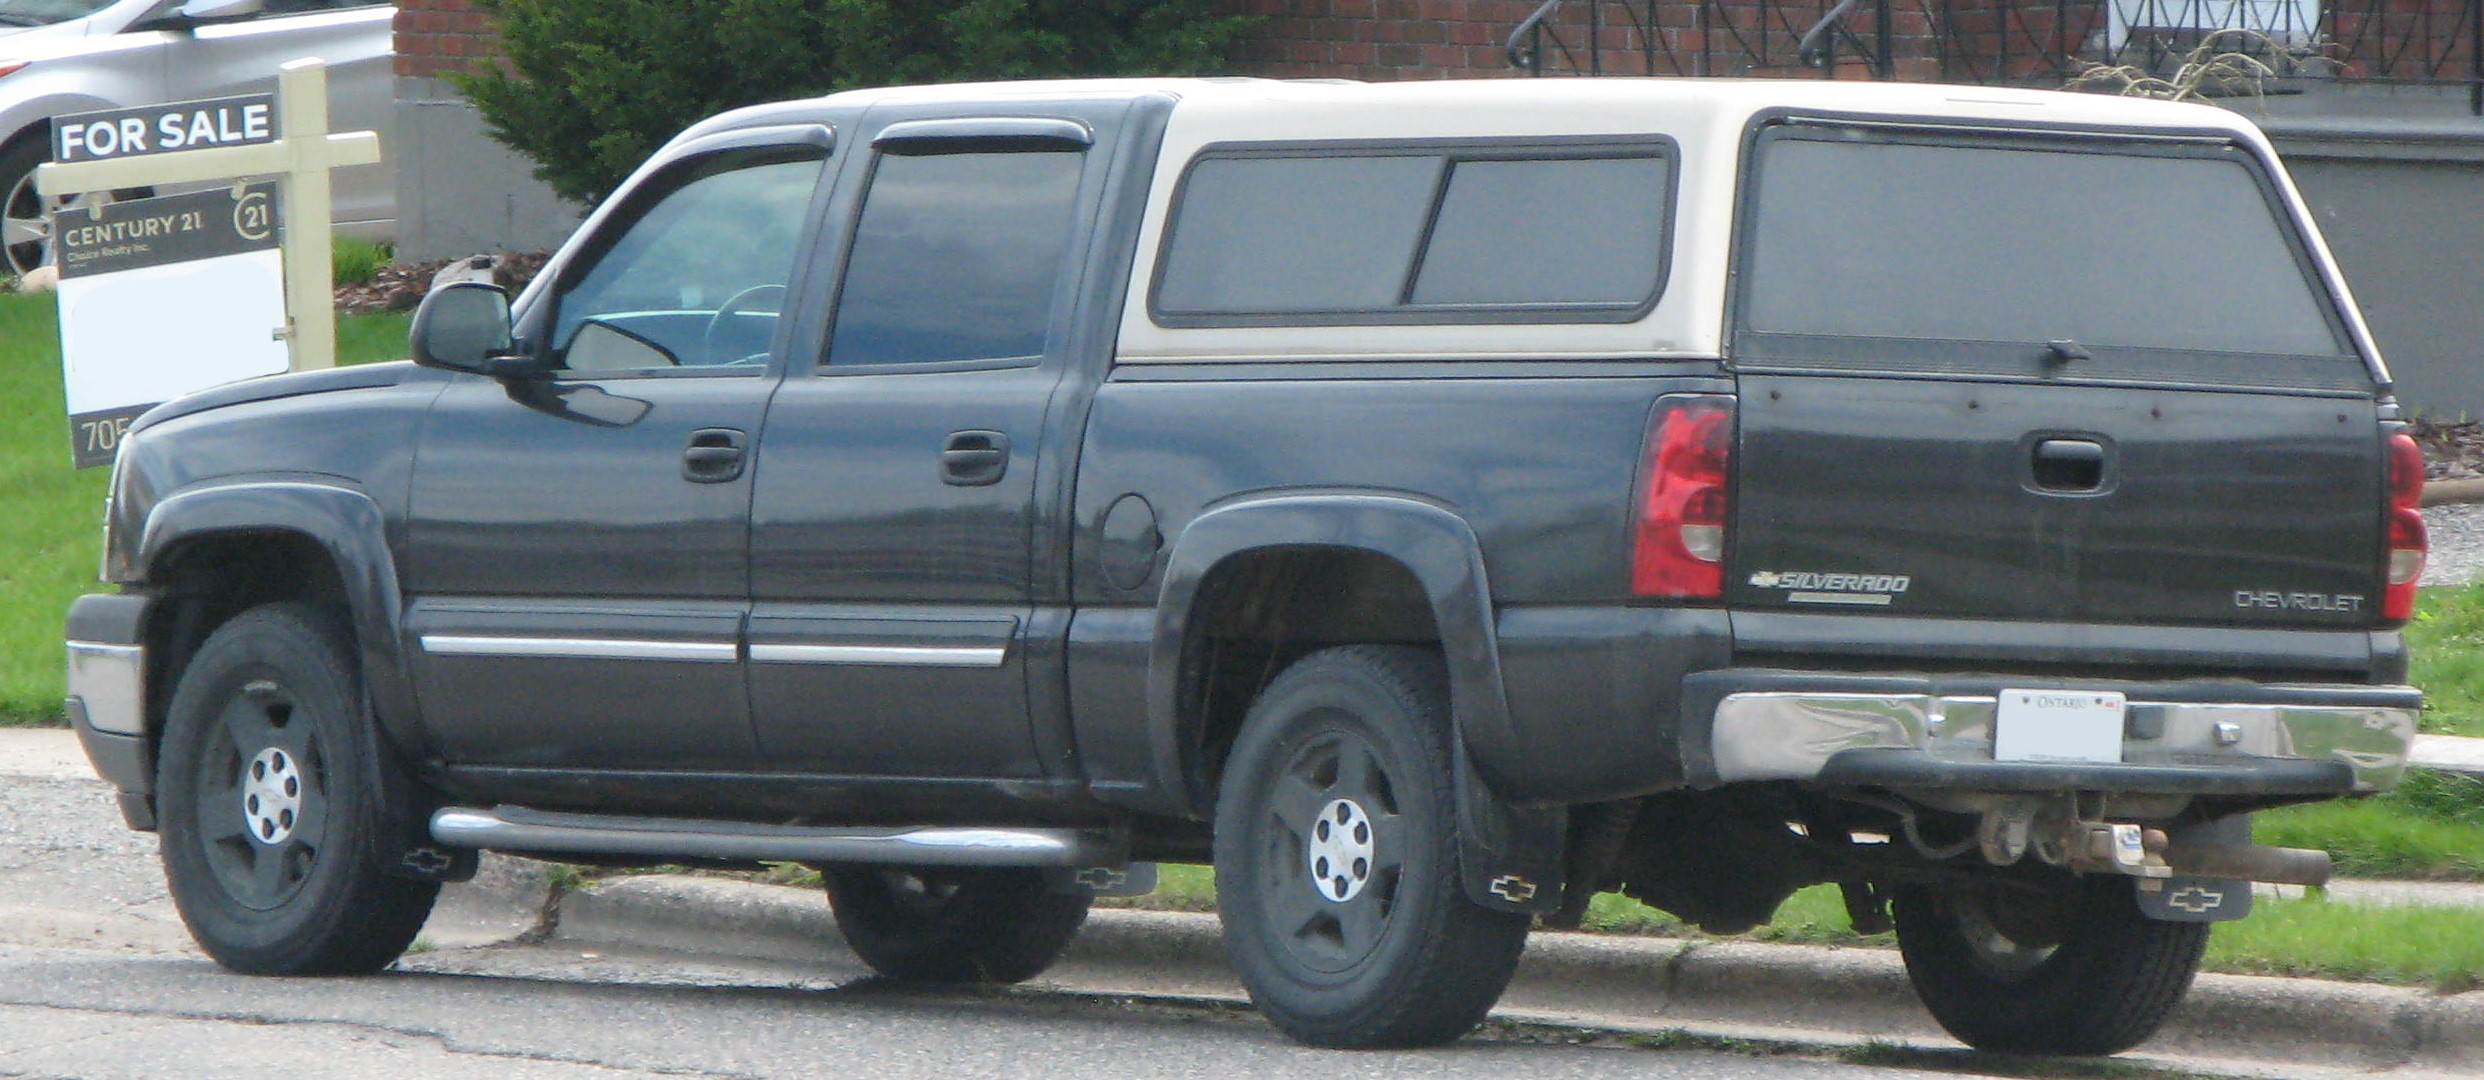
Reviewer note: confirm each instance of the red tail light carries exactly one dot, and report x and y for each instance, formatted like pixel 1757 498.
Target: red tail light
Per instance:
pixel 2407 543
pixel 1680 551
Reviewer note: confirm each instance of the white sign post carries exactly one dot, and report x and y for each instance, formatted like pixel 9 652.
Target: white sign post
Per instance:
pixel 141 332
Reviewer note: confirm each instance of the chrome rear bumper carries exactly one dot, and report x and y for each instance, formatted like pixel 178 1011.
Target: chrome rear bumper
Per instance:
pixel 2272 740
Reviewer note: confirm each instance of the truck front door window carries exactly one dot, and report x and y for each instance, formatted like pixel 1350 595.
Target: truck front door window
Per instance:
pixel 698 279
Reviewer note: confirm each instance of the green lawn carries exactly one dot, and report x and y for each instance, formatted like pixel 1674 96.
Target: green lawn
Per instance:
pixel 2446 645
pixel 50 532
pixel 49 537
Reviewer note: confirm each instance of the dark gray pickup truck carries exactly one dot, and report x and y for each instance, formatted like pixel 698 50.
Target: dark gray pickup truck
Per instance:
pixel 1432 505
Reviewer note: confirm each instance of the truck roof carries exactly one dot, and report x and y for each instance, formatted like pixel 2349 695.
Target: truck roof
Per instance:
pixel 1706 122
pixel 1607 104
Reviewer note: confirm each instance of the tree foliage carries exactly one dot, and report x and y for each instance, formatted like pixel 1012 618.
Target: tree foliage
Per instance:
pixel 589 88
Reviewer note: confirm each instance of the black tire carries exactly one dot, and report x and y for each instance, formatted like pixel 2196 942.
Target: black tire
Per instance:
pixel 1346 758
pixel 273 806
pixel 953 924
pixel 2084 973
pixel 24 234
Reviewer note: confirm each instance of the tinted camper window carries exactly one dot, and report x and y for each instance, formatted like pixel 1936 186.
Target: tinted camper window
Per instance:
pixel 2143 255
pixel 1478 234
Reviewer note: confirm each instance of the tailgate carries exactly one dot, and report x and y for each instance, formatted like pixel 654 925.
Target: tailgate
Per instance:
pixel 2086 504
pixel 2064 376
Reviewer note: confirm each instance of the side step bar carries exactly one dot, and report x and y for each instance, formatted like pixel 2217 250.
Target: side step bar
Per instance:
pixel 512 828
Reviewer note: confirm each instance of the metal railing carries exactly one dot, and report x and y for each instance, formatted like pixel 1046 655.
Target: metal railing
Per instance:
pixel 2008 42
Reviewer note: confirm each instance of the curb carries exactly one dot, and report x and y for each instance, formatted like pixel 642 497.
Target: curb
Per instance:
pixel 2446 492
pixel 1783 993
pixel 2448 753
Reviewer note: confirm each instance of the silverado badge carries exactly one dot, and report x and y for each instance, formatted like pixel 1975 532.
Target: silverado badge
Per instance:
pixel 1811 587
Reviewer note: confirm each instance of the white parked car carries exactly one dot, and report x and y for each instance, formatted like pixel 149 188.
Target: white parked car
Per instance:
pixel 72 56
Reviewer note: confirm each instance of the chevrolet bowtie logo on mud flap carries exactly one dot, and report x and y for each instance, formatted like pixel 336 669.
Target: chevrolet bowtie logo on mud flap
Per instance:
pixel 1811 587
pixel 1102 878
pixel 2196 899
pixel 1515 889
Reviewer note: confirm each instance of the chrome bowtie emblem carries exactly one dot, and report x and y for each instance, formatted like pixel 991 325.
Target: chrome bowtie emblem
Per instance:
pixel 2196 899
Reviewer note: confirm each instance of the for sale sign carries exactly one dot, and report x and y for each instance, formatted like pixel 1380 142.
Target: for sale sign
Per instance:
pixel 162 129
pixel 164 297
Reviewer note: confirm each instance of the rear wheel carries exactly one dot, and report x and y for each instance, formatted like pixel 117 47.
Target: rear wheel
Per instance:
pixel 1336 858
pixel 272 805
pixel 2078 970
pixel 953 924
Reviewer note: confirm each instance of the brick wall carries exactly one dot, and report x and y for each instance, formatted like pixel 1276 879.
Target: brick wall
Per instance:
pixel 1356 39
pixel 1388 40
pixel 1378 40
pixel 1384 40
pixel 439 35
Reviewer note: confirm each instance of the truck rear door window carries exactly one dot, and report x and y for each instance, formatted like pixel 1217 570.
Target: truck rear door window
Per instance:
pixel 1294 236
pixel 957 257
pixel 1974 254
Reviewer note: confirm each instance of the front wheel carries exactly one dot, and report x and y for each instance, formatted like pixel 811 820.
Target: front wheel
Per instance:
pixel 2076 969
pixel 1336 858
pixel 273 805
pixel 953 924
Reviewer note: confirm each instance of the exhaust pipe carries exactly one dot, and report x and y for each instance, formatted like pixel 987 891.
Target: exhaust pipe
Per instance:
pixel 2251 862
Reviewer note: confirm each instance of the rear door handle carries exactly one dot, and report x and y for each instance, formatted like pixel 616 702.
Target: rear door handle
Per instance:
pixel 714 456
pixel 974 458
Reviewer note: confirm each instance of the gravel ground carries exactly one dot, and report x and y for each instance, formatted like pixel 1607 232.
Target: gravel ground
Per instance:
pixel 2457 533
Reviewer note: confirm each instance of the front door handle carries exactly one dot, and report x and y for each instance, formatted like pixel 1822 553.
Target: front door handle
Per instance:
pixel 974 458
pixel 714 456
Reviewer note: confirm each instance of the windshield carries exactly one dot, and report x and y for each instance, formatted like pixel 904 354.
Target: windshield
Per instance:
pixel 47 12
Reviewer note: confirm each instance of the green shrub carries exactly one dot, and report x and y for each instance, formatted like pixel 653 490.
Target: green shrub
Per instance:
pixel 591 87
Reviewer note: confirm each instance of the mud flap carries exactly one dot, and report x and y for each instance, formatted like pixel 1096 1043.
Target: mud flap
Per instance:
pixel 1132 879
pixel 405 805
pixel 2194 899
pixel 1510 857
pixel 2185 898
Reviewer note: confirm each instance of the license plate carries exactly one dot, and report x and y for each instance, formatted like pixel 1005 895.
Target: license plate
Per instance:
pixel 2058 725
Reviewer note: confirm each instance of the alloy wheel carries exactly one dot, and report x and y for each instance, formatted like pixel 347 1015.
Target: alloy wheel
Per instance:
pixel 263 802
pixel 1332 871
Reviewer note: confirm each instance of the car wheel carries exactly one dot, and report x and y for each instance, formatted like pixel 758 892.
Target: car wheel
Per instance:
pixel 2077 970
pixel 1336 858
pixel 953 924
pixel 271 803
pixel 24 230
pixel 25 227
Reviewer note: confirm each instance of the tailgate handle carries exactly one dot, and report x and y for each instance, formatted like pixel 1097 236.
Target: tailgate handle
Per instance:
pixel 2069 465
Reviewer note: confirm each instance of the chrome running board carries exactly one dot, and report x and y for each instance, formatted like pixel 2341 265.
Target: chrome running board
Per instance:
pixel 517 829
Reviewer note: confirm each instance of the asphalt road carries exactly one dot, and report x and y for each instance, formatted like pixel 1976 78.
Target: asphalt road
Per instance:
pixel 549 1013
pixel 98 980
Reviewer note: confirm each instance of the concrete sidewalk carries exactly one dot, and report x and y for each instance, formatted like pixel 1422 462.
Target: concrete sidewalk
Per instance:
pixel 1782 993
